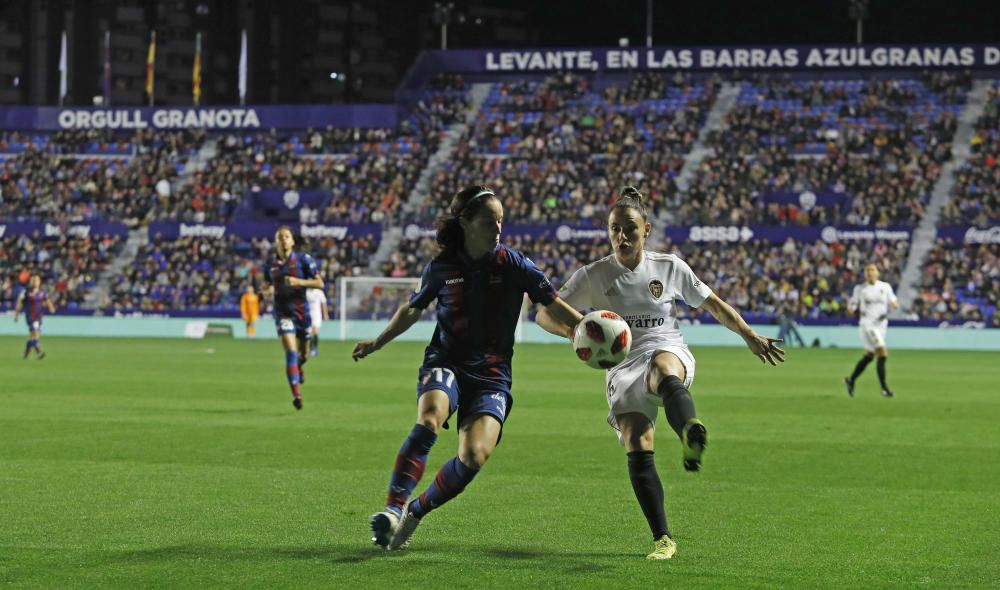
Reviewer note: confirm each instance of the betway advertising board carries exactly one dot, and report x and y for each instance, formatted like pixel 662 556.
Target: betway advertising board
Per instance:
pixel 262 229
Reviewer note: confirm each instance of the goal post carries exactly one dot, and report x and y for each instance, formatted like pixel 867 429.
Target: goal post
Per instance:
pixel 366 304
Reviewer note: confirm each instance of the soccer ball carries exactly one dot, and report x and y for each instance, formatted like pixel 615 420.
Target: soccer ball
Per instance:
pixel 602 339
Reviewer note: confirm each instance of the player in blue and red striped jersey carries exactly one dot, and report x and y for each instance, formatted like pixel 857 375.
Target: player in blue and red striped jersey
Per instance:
pixel 32 300
pixel 479 285
pixel 289 275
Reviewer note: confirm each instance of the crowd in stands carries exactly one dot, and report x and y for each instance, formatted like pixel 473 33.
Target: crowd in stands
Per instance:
pixel 208 274
pixel 882 142
pixel 805 280
pixel 560 147
pixel 368 172
pixel 961 282
pixel 69 267
pixel 135 176
pixel 65 180
pixel 975 198
pixel 188 273
pixel 557 149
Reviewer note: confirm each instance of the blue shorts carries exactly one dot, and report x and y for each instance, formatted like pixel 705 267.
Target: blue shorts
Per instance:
pixel 291 325
pixel 33 325
pixel 468 394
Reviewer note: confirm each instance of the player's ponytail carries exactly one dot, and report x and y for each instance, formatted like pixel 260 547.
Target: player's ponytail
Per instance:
pixel 466 203
pixel 630 198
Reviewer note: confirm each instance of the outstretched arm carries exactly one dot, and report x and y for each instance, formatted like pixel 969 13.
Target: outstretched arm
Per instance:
pixel 762 347
pixel 313 283
pixel 558 318
pixel 50 305
pixel 401 321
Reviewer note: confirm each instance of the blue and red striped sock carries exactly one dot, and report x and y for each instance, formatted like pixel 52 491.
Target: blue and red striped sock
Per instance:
pixel 292 371
pixel 448 483
pixel 411 461
pixel 38 347
pixel 28 346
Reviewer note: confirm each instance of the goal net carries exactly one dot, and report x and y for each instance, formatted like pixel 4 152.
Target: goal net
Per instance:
pixel 366 304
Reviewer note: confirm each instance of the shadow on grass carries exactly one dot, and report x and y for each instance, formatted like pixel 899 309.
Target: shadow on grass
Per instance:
pixel 184 552
pixel 354 554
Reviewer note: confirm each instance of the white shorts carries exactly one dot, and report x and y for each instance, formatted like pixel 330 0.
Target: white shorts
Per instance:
pixel 316 313
pixel 627 390
pixel 872 336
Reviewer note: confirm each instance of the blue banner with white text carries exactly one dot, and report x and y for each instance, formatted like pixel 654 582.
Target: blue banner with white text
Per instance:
pixel 970 235
pixel 56 230
pixel 261 229
pixel 221 118
pixel 776 234
pixel 702 58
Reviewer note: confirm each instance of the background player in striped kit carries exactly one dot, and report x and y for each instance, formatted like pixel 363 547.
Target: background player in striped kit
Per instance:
pixel 289 275
pixel 32 300
pixel 872 301
pixel 642 287
pixel 479 285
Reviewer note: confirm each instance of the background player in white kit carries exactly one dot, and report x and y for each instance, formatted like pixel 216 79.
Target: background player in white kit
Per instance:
pixel 320 313
pixel 872 301
pixel 641 287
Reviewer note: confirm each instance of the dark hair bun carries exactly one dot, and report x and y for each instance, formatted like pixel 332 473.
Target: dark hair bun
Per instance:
pixel 632 192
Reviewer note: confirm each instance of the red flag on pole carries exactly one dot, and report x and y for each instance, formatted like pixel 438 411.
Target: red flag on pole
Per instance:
pixel 150 61
pixel 196 72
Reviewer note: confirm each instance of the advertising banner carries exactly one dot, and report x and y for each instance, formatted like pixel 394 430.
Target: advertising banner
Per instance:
pixel 702 58
pixel 778 234
pixel 220 118
pixel 698 233
pixel 50 230
pixel 970 235
pixel 262 229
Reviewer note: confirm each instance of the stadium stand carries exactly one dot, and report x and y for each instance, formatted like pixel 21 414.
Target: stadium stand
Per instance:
pixel 880 142
pixel 810 280
pixel 68 267
pixel 559 147
pixel 204 274
pixel 961 282
pixel 975 198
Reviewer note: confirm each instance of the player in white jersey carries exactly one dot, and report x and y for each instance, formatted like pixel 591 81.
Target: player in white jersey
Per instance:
pixel 872 301
pixel 642 287
pixel 320 312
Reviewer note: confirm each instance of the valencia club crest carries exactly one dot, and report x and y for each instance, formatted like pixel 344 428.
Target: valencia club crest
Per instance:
pixel 655 288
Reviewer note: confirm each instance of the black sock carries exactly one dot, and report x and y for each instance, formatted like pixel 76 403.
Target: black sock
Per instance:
pixel 648 491
pixel 316 341
pixel 860 367
pixel 677 402
pixel 880 367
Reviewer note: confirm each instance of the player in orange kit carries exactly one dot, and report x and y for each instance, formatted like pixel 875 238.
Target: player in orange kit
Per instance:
pixel 250 309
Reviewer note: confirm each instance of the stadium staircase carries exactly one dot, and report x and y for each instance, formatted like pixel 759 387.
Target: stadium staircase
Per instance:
pixel 98 296
pixel 724 103
pixel 392 235
pixel 199 161
pixel 926 232
pixel 137 238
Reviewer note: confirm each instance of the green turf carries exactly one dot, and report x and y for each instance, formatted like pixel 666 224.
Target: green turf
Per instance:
pixel 164 463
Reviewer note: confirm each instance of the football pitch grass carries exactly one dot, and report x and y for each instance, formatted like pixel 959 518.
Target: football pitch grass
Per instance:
pixel 168 463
